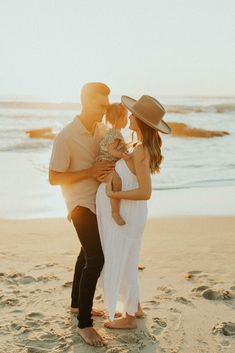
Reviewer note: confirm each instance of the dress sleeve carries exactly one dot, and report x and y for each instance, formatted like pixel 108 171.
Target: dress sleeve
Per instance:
pixel 60 157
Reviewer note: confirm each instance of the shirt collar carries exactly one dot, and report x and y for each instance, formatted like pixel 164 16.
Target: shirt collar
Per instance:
pixel 81 127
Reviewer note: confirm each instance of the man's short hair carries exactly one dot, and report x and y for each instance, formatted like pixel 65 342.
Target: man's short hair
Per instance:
pixel 89 91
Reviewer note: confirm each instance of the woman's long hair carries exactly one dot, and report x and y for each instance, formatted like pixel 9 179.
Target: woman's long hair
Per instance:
pixel 153 142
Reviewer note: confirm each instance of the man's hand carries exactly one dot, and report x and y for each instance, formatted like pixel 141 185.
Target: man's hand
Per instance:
pixel 101 169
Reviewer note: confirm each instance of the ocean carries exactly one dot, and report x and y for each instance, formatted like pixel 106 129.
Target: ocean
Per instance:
pixel 189 162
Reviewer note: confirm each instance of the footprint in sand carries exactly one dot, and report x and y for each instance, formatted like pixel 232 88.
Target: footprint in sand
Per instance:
pixel 166 290
pixel 225 328
pixel 200 288
pixel 216 294
pixel 21 278
pixel 183 300
pixel 194 274
pixel 160 321
pixel 117 350
pixel 150 304
pixel 42 266
pixel 9 302
pixel 14 275
pixel 26 280
pixel 170 332
pixel 175 310
pixel 36 315
pixel 47 277
pixel 67 284
pixel 135 341
pixel 166 293
pixel 199 275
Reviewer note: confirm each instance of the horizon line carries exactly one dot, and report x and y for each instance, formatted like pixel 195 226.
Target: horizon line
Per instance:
pixel 23 99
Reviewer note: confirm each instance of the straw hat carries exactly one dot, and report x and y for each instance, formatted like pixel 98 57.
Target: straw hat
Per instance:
pixel 149 110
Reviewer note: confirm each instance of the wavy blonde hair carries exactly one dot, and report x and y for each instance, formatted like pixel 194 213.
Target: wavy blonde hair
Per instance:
pixel 153 142
pixel 116 113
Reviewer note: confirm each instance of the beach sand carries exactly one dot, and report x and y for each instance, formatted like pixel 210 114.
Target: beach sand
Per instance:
pixel 187 288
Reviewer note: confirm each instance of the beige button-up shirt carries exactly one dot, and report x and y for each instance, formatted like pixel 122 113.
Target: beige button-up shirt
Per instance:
pixel 74 149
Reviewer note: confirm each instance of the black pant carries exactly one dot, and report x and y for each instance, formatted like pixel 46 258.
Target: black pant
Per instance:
pixel 88 266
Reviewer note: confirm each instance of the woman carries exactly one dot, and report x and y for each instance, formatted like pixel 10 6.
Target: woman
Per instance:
pixel 121 244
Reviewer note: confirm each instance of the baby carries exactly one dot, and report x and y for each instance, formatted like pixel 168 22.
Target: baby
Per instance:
pixel 113 148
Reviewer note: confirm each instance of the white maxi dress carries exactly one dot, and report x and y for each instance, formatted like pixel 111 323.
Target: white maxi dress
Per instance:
pixel 121 245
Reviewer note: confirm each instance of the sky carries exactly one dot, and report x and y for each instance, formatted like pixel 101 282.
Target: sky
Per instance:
pixel 50 48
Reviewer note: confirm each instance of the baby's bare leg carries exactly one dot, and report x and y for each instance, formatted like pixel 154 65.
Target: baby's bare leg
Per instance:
pixel 115 204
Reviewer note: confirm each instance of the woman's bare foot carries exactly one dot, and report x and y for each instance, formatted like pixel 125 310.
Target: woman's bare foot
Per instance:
pixel 116 315
pixel 91 336
pixel 139 313
pixel 118 219
pixel 94 311
pixel 128 322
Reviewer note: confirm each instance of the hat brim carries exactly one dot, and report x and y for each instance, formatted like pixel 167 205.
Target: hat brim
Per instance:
pixel 161 126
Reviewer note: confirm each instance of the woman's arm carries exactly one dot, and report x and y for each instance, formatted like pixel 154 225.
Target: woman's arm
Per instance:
pixel 143 192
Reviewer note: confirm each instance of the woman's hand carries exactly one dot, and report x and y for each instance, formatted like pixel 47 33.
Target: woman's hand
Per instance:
pixel 126 156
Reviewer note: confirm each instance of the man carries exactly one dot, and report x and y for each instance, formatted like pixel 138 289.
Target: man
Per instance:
pixel 73 166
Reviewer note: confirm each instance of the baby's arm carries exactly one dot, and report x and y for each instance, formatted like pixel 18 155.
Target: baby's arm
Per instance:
pixel 112 148
pixel 143 192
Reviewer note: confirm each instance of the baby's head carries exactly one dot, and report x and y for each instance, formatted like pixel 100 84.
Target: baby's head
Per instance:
pixel 116 115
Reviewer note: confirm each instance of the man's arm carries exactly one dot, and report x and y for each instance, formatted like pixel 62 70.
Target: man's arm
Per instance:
pixel 99 169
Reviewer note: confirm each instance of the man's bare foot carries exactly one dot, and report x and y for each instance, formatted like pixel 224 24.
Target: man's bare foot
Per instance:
pixel 91 336
pixel 123 323
pixel 94 311
pixel 118 219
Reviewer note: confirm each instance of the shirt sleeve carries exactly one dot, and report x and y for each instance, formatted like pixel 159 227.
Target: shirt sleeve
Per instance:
pixel 60 157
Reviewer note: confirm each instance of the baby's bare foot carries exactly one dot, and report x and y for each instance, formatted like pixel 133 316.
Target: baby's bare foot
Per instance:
pixel 118 219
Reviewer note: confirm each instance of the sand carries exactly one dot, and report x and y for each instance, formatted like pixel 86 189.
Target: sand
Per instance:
pixel 187 288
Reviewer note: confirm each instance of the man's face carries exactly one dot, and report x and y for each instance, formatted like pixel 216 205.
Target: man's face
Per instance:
pixel 99 106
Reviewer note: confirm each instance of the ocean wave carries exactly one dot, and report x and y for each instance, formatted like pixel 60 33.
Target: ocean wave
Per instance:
pixel 210 108
pixel 226 107
pixel 196 184
pixel 26 145
pixel 33 110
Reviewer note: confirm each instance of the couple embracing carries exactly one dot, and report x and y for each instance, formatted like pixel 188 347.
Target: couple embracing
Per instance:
pixel 106 188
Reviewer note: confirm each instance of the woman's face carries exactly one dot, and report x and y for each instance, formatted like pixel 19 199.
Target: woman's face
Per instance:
pixel 133 124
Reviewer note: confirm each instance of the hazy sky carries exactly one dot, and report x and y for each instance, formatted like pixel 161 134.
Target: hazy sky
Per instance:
pixel 50 48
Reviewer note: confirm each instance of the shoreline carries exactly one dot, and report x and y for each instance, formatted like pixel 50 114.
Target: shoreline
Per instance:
pixel 27 194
